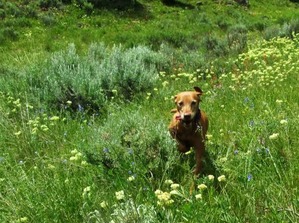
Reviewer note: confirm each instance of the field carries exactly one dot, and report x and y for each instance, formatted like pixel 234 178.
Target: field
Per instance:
pixel 84 119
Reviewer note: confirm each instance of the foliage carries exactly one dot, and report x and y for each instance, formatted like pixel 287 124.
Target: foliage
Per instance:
pixel 89 81
pixel 125 167
pixel 84 126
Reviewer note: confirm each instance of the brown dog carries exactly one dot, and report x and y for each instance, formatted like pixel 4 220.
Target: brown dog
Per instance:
pixel 189 125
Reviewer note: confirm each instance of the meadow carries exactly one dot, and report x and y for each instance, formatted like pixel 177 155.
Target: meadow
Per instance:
pixel 84 131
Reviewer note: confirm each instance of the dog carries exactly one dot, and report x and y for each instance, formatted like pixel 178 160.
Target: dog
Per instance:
pixel 189 125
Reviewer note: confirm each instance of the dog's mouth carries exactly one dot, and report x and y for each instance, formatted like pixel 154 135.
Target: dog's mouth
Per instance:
pixel 185 120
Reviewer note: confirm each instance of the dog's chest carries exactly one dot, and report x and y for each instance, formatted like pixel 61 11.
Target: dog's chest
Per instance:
pixel 188 132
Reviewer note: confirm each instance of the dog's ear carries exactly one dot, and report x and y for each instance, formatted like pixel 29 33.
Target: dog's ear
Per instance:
pixel 198 90
pixel 175 98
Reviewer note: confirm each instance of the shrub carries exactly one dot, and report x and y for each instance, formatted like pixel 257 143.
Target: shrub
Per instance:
pixel 287 29
pixel 129 72
pixel 10 34
pixel 237 38
pixel 118 4
pixel 88 81
pixel 215 46
pixel 50 3
pixel 48 19
pixel 2 13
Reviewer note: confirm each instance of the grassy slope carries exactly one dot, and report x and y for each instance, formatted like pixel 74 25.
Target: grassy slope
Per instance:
pixel 154 25
pixel 62 170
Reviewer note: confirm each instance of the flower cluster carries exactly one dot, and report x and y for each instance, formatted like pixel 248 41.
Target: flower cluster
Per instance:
pixel 265 65
pixel 77 157
pixel 164 198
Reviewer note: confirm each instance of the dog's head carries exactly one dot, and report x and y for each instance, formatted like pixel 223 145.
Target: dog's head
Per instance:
pixel 187 104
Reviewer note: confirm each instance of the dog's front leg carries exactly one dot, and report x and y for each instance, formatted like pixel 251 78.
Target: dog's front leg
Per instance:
pixel 199 152
pixel 182 147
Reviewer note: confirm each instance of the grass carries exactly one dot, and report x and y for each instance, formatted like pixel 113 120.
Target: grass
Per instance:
pixel 61 163
pixel 125 168
pixel 30 33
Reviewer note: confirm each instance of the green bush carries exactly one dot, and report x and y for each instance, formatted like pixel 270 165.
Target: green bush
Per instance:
pixel 287 29
pixel 48 19
pixel 50 3
pixel 215 46
pixel 10 33
pixel 237 38
pixel 88 81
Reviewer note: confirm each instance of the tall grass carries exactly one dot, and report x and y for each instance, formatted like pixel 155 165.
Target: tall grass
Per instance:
pixel 125 167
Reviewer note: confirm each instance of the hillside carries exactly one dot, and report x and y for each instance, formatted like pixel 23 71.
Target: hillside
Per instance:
pixel 85 102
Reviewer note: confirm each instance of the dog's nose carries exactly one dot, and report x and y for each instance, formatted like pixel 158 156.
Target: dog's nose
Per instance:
pixel 187 116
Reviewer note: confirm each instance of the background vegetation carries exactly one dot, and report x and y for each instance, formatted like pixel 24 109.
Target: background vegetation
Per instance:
pixel 86 93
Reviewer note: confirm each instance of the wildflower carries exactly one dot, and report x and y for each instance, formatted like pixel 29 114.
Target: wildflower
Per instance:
pixel 51 167
pixel 202 187
pixel 23 219
pixel 211 177
pixel 164 198
pixel 274 136
pixel 73 158
pixel 249 177
pixel 251 123
pixel 131 178
pixel 74 151
pixel 69 102
pixel 168 182
pixel 34 130
pixel 198 196
pixel 54 118
pixel 158 192
pixel 209 136
pixel 78 155
pixel 103 204
pixel 80 108
pixel 120 195
pixel 29 106
pixel 223 159
pixel 17 133
pixel 165 83
pixel 44 128
pixel 106 150
pixel 16 102
pixel 283 122
pixel 221 178
pixel 162 73
pixel 174 186
pixel 86 191
pixel 188 152
pixel 83 163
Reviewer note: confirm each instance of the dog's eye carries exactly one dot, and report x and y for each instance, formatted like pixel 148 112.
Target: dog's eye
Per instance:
pixel 193 103
pixel 180 104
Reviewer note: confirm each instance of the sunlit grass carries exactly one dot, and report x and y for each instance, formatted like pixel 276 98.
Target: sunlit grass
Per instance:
pixel 125 167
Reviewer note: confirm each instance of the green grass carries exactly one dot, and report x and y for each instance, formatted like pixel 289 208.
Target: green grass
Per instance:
pixel 57 168
pixel 29 33
pixel 76 147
